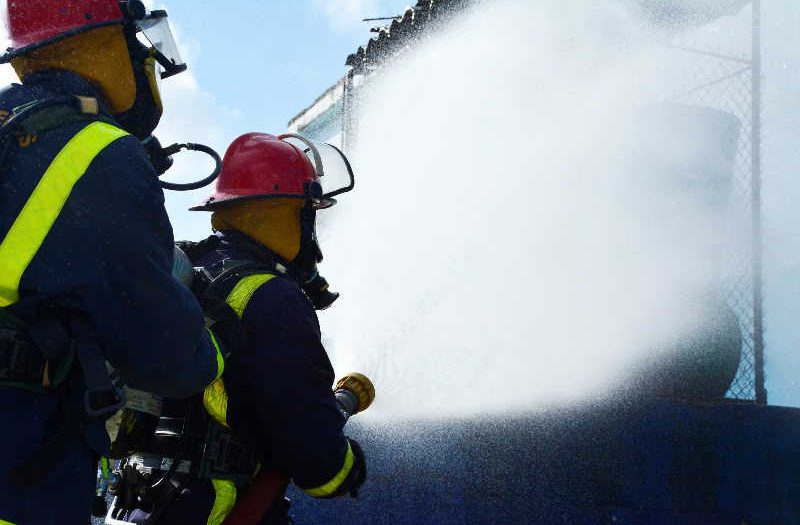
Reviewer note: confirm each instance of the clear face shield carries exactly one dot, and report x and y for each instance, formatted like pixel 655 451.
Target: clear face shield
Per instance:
pixel 331 165
pixel 335 177
pixel 154 29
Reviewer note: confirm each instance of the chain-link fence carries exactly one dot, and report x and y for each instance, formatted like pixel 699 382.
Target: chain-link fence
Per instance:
pixel 727 82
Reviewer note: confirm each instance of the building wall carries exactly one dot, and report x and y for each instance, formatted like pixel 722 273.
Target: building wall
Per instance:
pixel 323 120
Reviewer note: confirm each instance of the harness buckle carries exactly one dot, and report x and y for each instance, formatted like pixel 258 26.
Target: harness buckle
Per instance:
pixel 100 402
pixel 232 454
pixel 20 360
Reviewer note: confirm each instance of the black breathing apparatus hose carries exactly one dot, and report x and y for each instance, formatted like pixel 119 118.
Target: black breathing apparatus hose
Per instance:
pixel 162 161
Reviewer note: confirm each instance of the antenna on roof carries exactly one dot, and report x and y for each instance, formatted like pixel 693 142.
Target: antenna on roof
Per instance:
pixel 396 17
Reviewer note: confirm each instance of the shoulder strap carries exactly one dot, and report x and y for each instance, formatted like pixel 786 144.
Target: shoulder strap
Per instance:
pixel 40 116
pixel 225 277
pixel 196 249
pixel 214 300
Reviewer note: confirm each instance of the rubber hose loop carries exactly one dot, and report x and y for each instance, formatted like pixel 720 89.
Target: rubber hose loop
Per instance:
pixel 189 186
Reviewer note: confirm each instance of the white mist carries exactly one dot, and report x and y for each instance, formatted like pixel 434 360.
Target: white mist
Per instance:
pixel 499 252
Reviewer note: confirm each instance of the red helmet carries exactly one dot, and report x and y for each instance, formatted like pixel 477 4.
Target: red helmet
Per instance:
pixel 32 24
pixel 258 165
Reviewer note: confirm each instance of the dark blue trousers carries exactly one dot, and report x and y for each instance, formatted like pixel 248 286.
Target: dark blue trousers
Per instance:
pixel 65 496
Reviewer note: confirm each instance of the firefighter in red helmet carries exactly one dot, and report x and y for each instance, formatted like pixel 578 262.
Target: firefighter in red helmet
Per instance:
pixel 86 248
pixel 275 395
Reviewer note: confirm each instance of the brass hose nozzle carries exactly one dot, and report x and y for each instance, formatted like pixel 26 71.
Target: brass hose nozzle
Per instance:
pixel 355 393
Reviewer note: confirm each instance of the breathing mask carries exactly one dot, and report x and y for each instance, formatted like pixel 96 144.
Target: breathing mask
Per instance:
pixel 304 266
pixel 334 177
pixel 143 117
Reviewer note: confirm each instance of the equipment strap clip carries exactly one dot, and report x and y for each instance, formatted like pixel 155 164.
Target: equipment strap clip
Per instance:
pixel 19 359
pixel 102 397
pixel 101 402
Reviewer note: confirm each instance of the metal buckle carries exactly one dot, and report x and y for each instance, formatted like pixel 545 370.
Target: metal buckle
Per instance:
pixel 100 402
pixel 24 360
pixel 232 454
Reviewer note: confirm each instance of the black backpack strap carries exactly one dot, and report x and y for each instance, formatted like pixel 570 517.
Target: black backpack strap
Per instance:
pixel 40 116
pixel 34 356
pixel 226 276
pixel 219 283
pixel 195 250
pixel 87 396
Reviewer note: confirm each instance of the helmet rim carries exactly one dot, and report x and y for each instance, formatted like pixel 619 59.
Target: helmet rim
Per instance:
pixel 218 201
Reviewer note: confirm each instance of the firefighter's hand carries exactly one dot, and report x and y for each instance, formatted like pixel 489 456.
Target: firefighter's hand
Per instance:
pixel 359 472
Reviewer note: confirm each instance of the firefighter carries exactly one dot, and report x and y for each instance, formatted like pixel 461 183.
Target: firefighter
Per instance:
pixel 85 248
pixel 275 395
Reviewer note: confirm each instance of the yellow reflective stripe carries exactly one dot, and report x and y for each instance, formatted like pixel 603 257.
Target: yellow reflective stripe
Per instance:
pixel 220 357
pixel 4 522
pixel 224 501
pixel 330 488
pixel 215 397
pixel 215 400
pixel 105 467
pixel 40 212
pixel 244 290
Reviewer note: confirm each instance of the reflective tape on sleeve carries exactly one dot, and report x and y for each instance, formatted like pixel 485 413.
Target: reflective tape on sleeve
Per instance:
pixel 215 401
pixel 331 487
pixel 105 467
pixel 224 501
pixel 43 207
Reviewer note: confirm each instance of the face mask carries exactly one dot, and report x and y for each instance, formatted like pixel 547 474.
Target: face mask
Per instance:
pixel 143 117
pixel 304 266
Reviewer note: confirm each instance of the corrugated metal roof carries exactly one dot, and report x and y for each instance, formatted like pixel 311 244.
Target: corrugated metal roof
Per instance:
pixel 427 14
pixel 423 16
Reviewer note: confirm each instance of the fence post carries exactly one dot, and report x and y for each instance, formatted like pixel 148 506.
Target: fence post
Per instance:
pixel 758 241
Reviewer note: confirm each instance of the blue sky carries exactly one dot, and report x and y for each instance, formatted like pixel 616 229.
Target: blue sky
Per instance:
pixel 252 67
pixel 268 60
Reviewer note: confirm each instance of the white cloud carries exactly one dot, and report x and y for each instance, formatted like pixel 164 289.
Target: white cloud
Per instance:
pixel 191 114
pixel 346 15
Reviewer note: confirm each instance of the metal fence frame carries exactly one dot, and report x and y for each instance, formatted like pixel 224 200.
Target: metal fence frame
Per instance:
pixel 733 84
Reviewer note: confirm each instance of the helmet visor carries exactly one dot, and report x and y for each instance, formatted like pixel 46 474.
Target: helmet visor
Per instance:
pixel 156 29
pixel 333 169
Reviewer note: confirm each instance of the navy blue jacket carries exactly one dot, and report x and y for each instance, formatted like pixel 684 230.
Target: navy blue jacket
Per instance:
pixel 279 386
pixel 279 389
pixel 110 251
pixel 110 254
